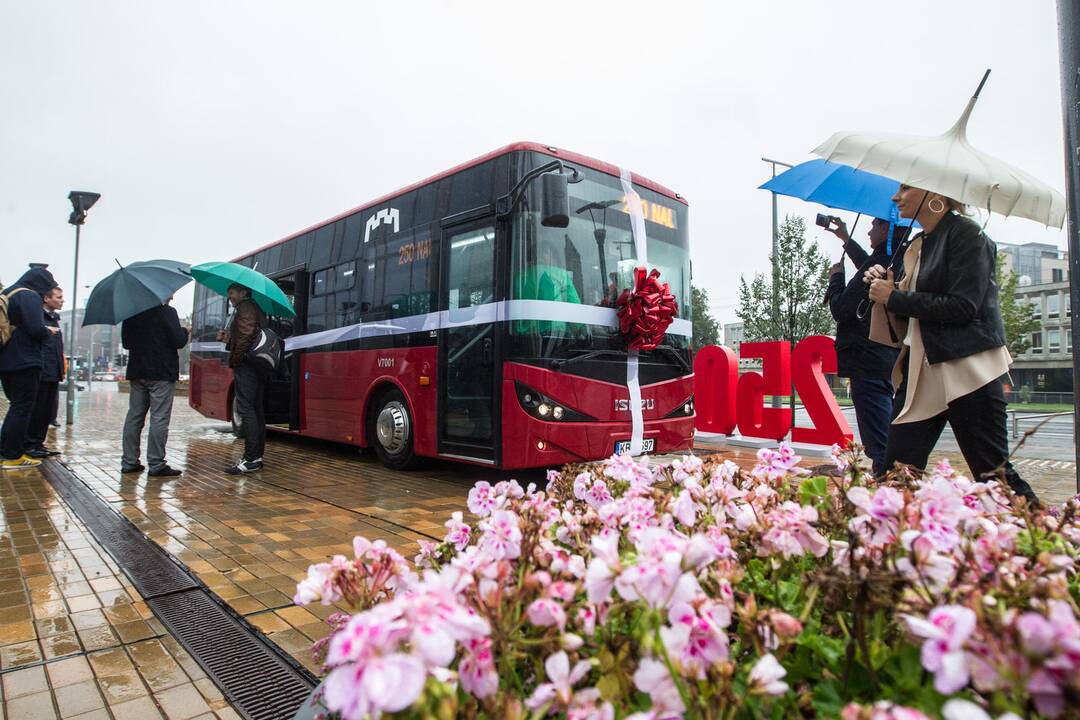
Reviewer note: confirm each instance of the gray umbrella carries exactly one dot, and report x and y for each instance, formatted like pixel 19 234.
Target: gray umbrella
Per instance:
pixel 134 288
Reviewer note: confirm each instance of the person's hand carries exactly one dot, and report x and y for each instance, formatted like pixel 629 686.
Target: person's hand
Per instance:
pixel 53 330
pixel 877 272
pixel 221 336
pixel 882 288
pixel 840 230
pixel 837 267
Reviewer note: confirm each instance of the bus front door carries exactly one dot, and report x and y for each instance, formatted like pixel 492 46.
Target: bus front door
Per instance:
pixel 282 399
pixel 467 344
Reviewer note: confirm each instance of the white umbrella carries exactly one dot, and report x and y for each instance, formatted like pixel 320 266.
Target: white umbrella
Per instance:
pixel 949 165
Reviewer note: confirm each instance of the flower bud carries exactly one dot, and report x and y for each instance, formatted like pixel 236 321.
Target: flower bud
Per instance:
pixel 785 625
pixel 570 641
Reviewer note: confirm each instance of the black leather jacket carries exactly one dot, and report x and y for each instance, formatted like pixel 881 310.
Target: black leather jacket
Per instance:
pixel 956 297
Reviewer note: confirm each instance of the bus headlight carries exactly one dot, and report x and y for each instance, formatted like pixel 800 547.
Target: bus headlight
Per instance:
pixel 542 407
pixel 683 409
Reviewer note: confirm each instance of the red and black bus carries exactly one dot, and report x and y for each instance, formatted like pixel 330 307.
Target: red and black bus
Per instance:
pixel 469 317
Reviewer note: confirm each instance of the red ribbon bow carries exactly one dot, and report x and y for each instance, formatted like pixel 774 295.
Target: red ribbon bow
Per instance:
pixel 645 312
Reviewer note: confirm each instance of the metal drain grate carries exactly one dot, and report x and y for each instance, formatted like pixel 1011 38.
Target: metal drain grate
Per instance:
pixel 254 679
pixel 257 678
pixel 151 571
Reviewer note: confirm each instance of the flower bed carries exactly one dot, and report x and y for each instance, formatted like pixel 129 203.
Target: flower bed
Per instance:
pixel 630 590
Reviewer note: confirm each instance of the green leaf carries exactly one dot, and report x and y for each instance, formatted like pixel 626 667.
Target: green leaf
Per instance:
pixel 827 699
pixel 829 649
pixel 813 488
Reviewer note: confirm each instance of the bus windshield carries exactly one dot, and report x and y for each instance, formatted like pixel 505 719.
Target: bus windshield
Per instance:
pixel 591 262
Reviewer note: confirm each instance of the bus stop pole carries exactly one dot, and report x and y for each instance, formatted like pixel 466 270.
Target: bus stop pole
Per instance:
pixel 1069 41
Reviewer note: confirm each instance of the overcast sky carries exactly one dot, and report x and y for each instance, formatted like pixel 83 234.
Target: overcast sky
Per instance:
pixel 211 128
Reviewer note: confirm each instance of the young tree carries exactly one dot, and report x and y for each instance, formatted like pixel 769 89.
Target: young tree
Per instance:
pixel 1016 315
pixel 802 278
pixel 706 329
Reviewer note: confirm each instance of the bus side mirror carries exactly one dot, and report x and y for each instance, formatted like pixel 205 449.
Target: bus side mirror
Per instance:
pixel 555 204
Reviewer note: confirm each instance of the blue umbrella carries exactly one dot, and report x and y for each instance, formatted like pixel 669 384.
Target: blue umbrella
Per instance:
pixel 841 187
pixel 134 288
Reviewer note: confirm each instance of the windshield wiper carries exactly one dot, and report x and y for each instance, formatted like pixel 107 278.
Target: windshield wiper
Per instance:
pixel 560 363
pixel 677 355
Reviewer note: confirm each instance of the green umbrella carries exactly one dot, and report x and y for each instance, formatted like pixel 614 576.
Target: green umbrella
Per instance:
pixel 218 276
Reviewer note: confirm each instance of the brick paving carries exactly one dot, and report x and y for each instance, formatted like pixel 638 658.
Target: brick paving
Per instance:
pixel 250 538
pixel 76 638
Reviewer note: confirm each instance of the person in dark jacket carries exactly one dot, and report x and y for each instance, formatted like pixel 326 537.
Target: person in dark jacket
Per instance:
pixel 52 373
pixel 248 381
pixel 152 338
pixel 953 354
pixel 21 362
pixel 867 364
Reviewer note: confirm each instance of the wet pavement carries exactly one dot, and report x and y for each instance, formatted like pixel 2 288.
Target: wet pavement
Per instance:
pixel 70 618
pixel 76 638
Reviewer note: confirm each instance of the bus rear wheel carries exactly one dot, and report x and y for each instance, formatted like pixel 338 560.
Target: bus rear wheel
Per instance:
pixel 392 430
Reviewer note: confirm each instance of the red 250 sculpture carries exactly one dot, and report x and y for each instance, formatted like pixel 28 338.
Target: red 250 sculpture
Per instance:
pixel 724 400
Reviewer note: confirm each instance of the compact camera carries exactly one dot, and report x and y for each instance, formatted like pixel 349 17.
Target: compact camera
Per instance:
pixel 826 220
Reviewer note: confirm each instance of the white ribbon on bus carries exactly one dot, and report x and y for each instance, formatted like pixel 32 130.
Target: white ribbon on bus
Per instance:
pixel 641 245
pixel 543 310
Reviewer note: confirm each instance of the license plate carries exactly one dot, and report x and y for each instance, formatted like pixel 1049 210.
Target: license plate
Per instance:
pixel 623 446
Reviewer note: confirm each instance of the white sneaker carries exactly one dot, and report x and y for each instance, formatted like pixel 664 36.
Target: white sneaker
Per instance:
pixel 245 466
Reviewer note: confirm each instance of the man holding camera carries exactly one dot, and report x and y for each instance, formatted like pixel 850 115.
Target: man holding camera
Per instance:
pixel 867 364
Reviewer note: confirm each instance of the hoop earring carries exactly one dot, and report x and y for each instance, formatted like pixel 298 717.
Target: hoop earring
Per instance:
pixel 936 210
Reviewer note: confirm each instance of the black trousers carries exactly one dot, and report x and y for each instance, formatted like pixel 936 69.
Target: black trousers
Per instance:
pixel 978 420
pixel 20 388
pixel 48 394
pixel 248 384
pixel 873 401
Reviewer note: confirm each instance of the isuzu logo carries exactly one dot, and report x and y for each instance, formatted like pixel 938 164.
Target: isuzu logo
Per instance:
pixel 623 405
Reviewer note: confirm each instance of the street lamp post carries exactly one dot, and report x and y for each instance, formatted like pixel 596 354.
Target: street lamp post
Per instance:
pixel 775 254
pixel 81 202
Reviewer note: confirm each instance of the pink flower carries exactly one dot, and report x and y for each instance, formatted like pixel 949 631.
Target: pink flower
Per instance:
pixel 765 677
pixel 545 613
pixel 945 631
pixel 561 681
pixel 481 499
pixel 688 467
pixel 605 565
pixel 1036 633
pixel 1047 693
pixel 685 509
pixel 437 620
pixel 694 642
pixel 502 535
pixel 319 584
pixel 653 679
pixel 426 557
pixel 476 671
pixel 790 533
pixel 586 618
pixel 382 684
pixel 597 495
pixel 957 709
pixel 457 532
pixel 881 710
pixel 774 465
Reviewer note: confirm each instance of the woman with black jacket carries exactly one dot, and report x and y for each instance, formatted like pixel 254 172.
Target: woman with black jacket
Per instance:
pixel 953 354
pixel 52 374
